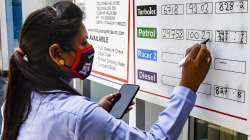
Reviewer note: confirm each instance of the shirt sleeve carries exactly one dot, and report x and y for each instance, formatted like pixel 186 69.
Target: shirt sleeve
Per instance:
pixel 94 123
pixel 2 113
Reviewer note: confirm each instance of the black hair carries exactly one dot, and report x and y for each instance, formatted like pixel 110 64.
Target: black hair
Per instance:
pixel 58 24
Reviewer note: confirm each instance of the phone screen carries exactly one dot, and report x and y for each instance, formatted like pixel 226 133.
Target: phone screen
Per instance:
pixel 128 92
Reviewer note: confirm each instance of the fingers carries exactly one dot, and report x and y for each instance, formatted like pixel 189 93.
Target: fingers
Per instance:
pixel 194 51
pixel 112 96
pixel 116 95
pixel 188 51
pixel 202 54
pixel 207 60
pixel 129 108
pixel 107 101
pixel 107 104
pixel 109 97
pixel 133 103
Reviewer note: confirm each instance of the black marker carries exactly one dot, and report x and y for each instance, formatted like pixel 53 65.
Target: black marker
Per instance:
pixel 205 42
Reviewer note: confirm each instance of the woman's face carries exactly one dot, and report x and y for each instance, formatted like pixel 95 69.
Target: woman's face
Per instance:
pixel 65 59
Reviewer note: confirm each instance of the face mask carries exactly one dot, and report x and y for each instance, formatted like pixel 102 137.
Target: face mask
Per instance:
pixel 83 64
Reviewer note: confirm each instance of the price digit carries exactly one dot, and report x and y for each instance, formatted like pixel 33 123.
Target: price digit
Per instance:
pixel 231 5
pixel 217 90
pixel 176 9
pixel 239 94
pixel 242 5
pixel 204 8
pixel 221 8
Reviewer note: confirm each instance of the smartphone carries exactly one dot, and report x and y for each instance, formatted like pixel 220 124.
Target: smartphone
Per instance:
pixel 128 92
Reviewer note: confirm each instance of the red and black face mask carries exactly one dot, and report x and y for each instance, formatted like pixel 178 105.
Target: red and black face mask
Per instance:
pixel 84 60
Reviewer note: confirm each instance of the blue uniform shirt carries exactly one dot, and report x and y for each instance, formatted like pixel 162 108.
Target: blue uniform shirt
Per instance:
pixel 60 116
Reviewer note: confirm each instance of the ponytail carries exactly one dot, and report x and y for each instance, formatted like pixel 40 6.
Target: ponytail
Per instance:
pixel 17 100
pixel 22 80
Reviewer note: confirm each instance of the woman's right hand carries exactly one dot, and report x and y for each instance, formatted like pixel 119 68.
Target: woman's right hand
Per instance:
pixel 196 67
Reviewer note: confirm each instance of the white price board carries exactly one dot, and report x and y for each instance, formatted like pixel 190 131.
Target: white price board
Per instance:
pixel 107 24
pixel 165 29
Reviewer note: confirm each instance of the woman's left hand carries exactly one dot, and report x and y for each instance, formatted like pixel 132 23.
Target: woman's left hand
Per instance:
pixel 108 101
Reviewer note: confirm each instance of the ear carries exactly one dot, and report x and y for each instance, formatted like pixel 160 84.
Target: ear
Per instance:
pixel 55 53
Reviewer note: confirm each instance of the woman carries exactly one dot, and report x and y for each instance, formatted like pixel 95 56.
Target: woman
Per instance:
pixel 41 105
